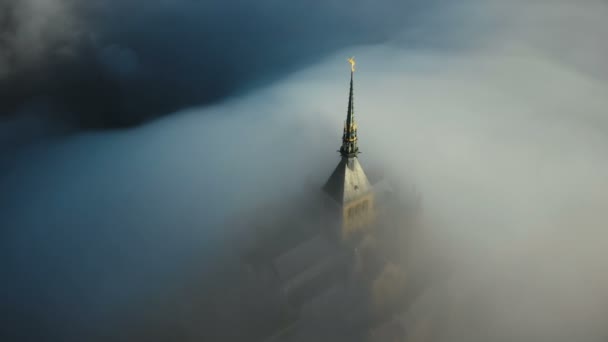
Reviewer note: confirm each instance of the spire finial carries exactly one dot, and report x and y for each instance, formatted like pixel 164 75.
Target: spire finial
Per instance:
pixel 352 64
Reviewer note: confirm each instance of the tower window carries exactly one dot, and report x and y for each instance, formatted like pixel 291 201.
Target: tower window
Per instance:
pixel 358 209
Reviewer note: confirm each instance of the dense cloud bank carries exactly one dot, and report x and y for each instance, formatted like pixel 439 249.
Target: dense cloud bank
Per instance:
pixel 499 117
pixel 116 64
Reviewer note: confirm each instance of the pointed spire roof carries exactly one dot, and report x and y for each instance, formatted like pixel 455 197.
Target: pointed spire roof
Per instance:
pixel 349 146
pixel 348 181
pixel 350 114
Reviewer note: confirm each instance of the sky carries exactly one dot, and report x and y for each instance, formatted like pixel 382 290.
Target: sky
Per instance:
pixel 118 64
pixel 131 135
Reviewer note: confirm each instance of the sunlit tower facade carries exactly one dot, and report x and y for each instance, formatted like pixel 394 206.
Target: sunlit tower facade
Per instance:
pixel 348 185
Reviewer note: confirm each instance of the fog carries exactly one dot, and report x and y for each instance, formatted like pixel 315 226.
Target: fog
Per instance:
pixel 495 110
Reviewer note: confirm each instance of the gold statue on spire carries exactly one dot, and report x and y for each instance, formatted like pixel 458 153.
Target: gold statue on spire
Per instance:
pixel 352 64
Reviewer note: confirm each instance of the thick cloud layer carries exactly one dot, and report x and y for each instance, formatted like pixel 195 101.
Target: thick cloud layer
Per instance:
pixel 499 121
pixel 115 64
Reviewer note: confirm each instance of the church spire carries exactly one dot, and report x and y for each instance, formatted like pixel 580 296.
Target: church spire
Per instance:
pixel 348 185
pixel 349 147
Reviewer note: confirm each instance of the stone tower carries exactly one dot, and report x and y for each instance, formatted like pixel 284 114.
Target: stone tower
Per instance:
pixel 348 185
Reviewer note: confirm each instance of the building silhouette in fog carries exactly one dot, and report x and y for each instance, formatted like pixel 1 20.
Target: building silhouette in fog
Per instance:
pixel 332 244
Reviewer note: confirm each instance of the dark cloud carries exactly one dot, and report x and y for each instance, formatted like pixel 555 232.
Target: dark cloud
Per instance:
pixel 116 64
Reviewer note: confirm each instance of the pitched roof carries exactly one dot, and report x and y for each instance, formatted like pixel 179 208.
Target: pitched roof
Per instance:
pixel 347 182
pixel 297 259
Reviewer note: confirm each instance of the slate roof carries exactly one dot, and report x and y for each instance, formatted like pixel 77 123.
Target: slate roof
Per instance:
pixel 316 278
pixel 347 182
pixel 301 257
